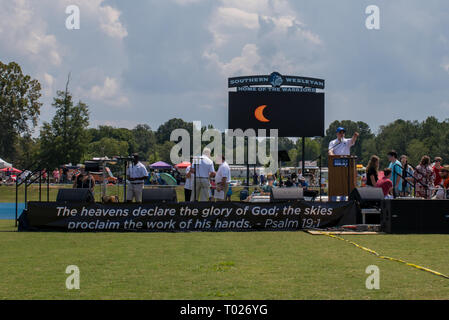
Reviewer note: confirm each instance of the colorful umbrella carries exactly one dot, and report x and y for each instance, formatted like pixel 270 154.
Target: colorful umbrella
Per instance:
pixel 12 170
pixel 168 178
pixel 183 165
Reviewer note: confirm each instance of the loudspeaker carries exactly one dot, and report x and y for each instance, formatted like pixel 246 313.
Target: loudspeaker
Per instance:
pixel 415 216
pixel 75 195
pixel 283 156
pixel 167 195
pixel 244 195
pixel 367 197
pixel 92 166
pixel 286 194
pixel 311 193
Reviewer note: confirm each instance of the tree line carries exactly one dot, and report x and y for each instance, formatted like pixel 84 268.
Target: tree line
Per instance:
pixel 67 138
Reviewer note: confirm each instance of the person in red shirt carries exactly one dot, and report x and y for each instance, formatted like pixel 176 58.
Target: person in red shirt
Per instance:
pixel 444 174
pixel 385 183
pixel 436 168
pixel 443 189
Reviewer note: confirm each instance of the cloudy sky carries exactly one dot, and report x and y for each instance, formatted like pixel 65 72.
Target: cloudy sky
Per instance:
pixel 146 61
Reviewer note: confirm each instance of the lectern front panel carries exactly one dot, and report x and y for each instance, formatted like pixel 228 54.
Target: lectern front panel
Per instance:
pixel 342 175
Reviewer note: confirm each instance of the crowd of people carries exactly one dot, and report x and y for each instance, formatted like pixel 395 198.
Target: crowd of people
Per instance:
pixel 401 179
pixel 203 183
pixel 294 179
pixel 428 180
pixel 213 185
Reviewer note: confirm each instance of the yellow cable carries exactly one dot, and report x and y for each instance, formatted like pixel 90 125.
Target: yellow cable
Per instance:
pixel 385 257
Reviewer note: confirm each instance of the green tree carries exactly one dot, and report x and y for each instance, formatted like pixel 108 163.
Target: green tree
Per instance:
pixel 311 150
pixel 119 134
pixel 163 152
pixel 108 147
pixel 369 149
pixel 293 154
pixel 396 136
pixel 164 131
pixel 432 133
pixel 27 151
pixel 415 150
pixel 64 139
pixel 285 144
pixel 19 107
pixel 145 139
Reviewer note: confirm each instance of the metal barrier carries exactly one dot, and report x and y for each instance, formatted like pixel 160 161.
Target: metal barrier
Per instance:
pixel 28 180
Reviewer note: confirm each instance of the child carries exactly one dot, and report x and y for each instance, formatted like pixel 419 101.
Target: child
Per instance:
pixel 229 194
pixel 386 184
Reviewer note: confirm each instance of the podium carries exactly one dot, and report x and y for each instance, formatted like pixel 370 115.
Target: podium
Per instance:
pixel 342 175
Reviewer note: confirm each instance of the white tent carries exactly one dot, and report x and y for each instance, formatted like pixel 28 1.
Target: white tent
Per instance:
pixel 4 164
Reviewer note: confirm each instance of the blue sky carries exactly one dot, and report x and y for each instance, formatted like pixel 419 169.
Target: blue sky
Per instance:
pixel 146 61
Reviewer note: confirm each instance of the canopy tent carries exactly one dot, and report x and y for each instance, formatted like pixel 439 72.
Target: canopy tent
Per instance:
pixel 160 165
pixel 4 164
pixel 183 165
pixel 11 170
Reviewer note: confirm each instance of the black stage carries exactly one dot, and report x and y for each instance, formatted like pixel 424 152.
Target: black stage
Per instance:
pixel 412 216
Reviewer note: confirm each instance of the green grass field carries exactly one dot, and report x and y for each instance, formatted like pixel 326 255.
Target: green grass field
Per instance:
pixel 257 265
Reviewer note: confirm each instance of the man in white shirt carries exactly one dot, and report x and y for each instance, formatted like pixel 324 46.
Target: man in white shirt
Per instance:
pixel 222 178
pixel 137 173
pixel 188 186
pixel 342 146
pixel 203 169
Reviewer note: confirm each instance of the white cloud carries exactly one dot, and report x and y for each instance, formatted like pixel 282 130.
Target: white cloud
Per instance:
pixel 187 2
pixel 109 93
pixel 110 22
pixel 24 33
pixel 180 52
pixel 106 17
pixel 114 123
pixel 47 84
pixel 268 34
pixel 243 64
pixel 257 6
pixel 445 66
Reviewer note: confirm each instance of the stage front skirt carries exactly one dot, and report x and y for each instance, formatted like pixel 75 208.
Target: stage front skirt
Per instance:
pixel 185 217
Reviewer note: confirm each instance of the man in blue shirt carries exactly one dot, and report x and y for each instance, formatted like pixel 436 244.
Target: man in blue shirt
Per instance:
pixel 396 169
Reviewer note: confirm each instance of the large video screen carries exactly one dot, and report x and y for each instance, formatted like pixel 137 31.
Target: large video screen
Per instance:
pixel 294 114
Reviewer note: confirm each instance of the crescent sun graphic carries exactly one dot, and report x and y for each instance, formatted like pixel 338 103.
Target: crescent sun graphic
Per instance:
pixel 258 113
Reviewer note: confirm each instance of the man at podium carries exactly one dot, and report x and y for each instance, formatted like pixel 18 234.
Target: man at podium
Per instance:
pixel 341 147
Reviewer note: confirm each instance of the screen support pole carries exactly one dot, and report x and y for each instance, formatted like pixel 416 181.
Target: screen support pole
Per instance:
pixel 247 162
pixel 303 155
pixel 124 180
pixel 321 199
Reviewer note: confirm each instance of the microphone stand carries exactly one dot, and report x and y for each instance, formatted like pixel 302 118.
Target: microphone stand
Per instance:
pixel 194 178
pixel 319 182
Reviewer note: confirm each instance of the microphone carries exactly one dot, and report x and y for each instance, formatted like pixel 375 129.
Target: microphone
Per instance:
pixel 334 146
